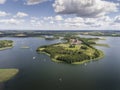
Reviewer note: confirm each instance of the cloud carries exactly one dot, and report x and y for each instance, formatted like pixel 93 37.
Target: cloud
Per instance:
pixel 21 15
pixel 36 22
pixel 84 8
pixel 67 22
pixel 58 18
pixel 12 21
pixel 90 22
pixel 55 18
pixel 2 1
pixel 2 14
pixel 117 19
pixel 74 20
pixel 33 2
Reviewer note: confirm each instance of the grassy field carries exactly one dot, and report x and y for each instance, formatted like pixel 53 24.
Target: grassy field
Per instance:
pixel 66 46
pixel 88 51
pixel 7 74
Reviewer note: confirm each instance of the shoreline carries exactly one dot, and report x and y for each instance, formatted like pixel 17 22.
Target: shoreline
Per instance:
pixel 75 63
pixel 95 59
pixel 5 48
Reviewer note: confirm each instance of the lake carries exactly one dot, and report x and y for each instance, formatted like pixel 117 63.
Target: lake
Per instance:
pixel 40 73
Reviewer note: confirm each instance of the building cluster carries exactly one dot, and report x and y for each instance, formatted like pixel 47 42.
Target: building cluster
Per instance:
pixel 75 42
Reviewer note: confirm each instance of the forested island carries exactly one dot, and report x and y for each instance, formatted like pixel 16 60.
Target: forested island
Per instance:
pixel 75 50
pixel 5 44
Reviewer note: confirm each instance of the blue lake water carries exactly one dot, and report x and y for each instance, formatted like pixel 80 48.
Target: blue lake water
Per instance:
pixel 43 74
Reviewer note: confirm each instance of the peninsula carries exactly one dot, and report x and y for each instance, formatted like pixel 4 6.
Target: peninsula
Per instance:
pixel 5 44
pixel 75 50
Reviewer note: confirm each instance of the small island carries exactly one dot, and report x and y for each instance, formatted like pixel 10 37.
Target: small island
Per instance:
pixel 75 50
pixel 5 44
pixel 7 74
pixel 25 47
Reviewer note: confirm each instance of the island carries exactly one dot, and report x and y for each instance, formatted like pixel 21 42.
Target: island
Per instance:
pixel 7 74
pixel 25 47
pixel 5 44
pixel 75 50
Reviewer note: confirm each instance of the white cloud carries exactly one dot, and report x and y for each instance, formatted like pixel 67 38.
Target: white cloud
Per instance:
pixel 2 1
pixel 74 20
pixel 52 22
pixel 33 2
pixel 55 18
pixel 84 8
pixel 21 15
pixel 36 22
pixel 48 18
pixel 79 22
pixel 2 14
pixel 58 18
pixel 12 21
pixel 117 19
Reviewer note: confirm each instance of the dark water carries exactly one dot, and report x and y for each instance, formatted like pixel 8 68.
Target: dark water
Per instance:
pixel 42 74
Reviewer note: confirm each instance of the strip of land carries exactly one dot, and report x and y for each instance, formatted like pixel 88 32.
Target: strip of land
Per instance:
pixel 7 74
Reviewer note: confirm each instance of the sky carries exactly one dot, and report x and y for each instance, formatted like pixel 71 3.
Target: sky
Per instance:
pixel 59 14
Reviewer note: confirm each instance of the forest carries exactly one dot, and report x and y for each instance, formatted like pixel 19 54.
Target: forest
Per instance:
pixel 6 43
